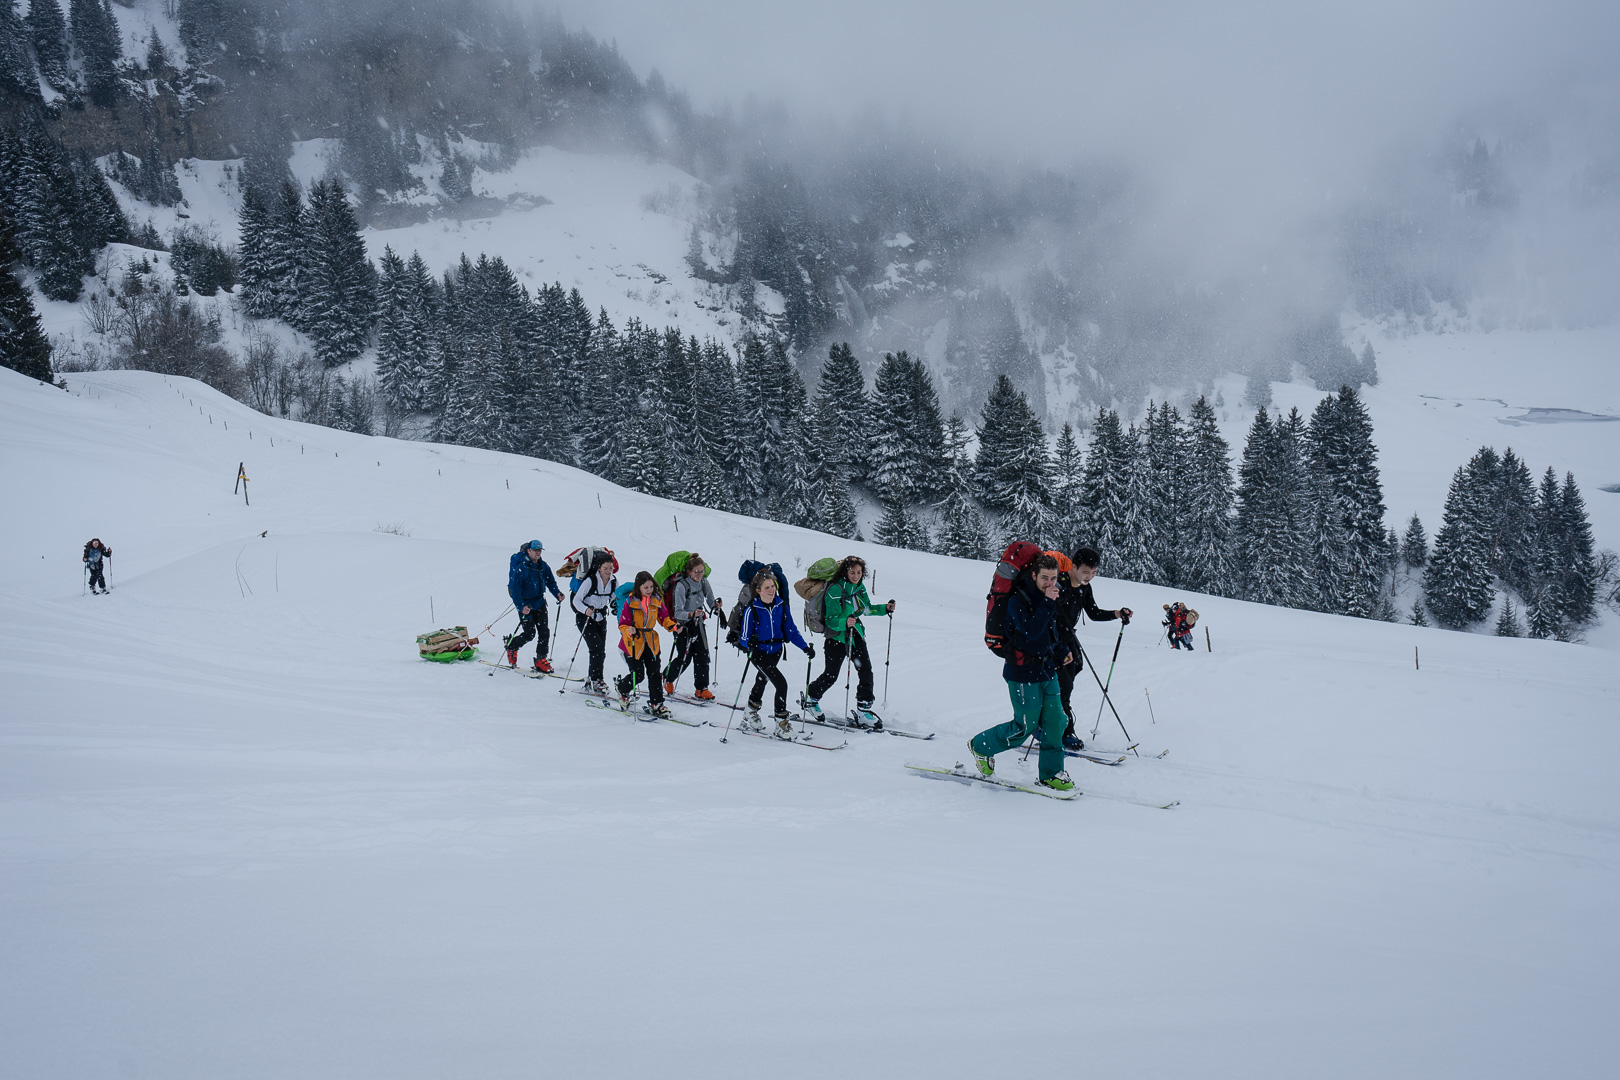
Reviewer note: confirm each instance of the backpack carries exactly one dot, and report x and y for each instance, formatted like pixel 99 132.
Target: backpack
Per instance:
pixel 813 588
pixel 674 567
pixel 621 596
pixel 583 562
pixel 1014 561
pixel 745 574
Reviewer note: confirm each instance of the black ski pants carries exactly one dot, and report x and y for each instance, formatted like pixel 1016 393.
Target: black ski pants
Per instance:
pixel 691 647
pixel 643 669
pixel 1066 676
pixel 98 577
pixel 594 631
pixel 855 649
pixel 535 622
pixel 765 663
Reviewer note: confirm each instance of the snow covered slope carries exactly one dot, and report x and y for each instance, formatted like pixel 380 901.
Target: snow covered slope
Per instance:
pixel 245 832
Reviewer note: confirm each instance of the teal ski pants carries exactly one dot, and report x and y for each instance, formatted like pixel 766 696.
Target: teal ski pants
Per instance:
pixel 1036 706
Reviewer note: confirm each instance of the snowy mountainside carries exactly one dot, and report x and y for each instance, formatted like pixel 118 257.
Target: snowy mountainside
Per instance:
pixel 246 831
pixel 609 226
pixel 1551 395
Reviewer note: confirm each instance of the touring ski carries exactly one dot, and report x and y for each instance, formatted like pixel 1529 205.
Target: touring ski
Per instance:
pixel 643 714
pixel 797 740
pixel 530 673
pixel 844 723
pixel 962 772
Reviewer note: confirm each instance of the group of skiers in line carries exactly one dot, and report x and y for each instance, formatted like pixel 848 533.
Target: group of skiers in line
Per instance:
pixel 760 624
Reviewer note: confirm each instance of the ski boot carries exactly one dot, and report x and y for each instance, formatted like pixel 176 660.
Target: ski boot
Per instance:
pixel 704 694
pixel 784 727
pixel 866 718
pixel 623 686
pixel 751 720
pixel 542 665
pixel 511 653
pixel 813 708
pixel 986 765
pixel 669 687
pixel 1072 742
pixel 659 710
pixel 597 686
pixel 1060 782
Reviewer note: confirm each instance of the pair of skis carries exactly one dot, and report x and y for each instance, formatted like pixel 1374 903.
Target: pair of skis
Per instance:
pixel 529 672
pixel 973 776
pixel 613 703
pixel 853 722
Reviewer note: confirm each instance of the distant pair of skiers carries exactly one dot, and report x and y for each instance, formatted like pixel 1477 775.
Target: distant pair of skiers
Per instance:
pixel 96 557
pixel 1041 645
pixel 1179 620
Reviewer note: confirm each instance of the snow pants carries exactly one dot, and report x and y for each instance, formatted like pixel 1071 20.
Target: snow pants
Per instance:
pixel 1036 707
pixel 765 663
pixel 855 649
pixel 1182 640
pixel 594 631
pixel 1066 676
pixel 98 577
pixel 691 647
pixel 643 669
pixel 530 625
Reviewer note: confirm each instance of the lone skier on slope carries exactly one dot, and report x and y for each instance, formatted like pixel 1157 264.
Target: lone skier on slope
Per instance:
pixel 693 598
pixel 843 604
pixel 1074 596
pixel 1038 650
pixel 96 557
pixel 527 582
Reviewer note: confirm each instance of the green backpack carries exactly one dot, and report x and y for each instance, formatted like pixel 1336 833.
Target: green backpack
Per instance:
pixel 813 588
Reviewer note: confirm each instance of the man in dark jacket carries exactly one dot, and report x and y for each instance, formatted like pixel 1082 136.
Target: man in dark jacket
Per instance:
pixel 1074 596
pixel 527 581
pixel 1038 650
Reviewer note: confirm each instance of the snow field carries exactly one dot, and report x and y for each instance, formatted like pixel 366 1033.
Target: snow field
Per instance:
pixel 244 831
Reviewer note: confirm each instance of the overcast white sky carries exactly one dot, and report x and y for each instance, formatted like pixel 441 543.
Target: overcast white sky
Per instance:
pixel 1245 115
pixel 1146 75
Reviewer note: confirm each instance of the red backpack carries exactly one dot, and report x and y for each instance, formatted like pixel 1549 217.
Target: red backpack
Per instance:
pixel 1014 560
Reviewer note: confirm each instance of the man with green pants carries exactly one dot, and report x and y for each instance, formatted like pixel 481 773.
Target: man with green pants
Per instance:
pixel 1036 653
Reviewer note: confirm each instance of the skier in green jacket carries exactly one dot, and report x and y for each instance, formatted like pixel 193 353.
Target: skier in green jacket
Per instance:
pixel 843 603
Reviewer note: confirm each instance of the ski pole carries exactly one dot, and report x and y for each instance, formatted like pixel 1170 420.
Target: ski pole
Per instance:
pixel 849 656
pixel 1150 705
pixel 556 624
pixel 1110 681
pixel 886 650
pixel 1111 708
pixel 571 659
pixel 804 695
pixel 738 698
pixel 84 580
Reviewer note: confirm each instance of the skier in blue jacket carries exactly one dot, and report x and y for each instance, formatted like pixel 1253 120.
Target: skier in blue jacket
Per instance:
pixel 767 625
pixel 527 582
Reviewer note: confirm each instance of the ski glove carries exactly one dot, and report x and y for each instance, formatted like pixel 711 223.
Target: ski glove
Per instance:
pixel 1125 616
pixel 810 652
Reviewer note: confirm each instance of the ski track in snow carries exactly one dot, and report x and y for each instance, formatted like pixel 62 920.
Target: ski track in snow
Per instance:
pixel 245 832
